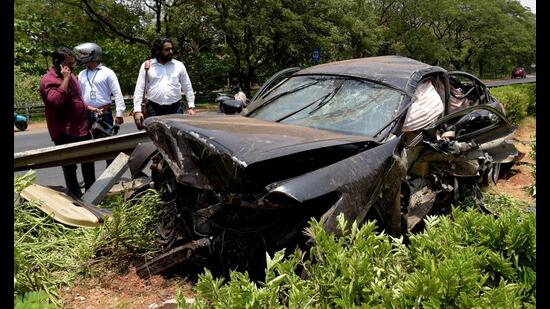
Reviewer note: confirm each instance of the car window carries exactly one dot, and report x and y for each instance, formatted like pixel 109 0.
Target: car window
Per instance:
pixel 339 104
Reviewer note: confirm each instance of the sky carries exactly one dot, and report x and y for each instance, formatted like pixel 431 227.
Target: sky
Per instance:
pixel 529 3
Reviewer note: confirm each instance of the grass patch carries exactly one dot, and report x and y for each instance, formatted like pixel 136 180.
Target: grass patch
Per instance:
pixel 49 255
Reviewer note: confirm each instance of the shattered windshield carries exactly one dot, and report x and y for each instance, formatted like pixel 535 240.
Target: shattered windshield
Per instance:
pixel 339 104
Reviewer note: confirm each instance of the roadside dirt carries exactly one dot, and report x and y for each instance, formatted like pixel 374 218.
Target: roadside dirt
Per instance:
pixel 124 291
pixel 129 291
pixel 519 178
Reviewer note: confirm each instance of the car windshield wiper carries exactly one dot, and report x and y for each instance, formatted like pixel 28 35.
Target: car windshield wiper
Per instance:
pixel 285 93
pixel 327 98
pixel 323 100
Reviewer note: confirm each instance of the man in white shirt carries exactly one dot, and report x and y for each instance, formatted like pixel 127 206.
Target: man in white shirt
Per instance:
pixel 98 83
pixel 166 79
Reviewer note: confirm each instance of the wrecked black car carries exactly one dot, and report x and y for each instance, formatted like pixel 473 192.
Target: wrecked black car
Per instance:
pixel 386 138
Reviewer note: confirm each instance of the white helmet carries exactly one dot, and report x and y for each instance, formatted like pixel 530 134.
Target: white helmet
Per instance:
pixel 87 52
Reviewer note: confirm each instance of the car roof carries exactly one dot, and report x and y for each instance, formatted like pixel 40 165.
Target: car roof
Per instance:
pixel 397 71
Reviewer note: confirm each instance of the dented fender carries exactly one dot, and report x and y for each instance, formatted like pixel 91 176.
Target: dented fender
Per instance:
pixel 358 180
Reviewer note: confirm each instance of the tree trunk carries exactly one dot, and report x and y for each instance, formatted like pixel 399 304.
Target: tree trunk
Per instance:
pixel 158 11
pixel 481 69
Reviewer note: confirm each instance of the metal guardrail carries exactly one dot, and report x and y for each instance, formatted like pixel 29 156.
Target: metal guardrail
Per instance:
pixel 509 82
pixel 86 151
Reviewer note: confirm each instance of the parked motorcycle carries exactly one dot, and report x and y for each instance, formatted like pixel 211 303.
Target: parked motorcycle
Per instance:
pixel 232 103
pixel 20 121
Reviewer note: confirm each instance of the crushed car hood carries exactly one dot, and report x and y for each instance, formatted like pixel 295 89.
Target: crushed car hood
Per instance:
pixel 231 150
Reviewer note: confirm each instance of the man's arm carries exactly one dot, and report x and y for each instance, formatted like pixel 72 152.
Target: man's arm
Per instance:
pixel 187 88
pixel 138 92
pixel 117 93
pixel 55 94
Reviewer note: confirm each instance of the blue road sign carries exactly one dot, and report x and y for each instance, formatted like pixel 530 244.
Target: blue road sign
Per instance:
pixel 316 54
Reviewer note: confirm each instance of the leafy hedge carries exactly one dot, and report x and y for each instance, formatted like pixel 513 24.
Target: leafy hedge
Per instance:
pixel 25 87
pixel 518 100
pixel 472 260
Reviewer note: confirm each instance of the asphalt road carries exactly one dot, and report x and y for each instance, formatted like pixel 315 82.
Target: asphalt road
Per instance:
pixel 39 138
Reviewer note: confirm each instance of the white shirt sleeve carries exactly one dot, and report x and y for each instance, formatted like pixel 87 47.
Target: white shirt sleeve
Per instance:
pixel 138 92
pixel 187 88
pixel 117 93
pixel 80 79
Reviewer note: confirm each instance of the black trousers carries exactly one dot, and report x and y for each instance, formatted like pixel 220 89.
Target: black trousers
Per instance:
pixel 69 171
pixel 156 109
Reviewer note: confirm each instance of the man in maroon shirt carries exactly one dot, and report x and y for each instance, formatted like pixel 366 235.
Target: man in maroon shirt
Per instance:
pixel 66 113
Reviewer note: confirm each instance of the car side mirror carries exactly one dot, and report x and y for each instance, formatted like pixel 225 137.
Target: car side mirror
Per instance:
pixel 230 107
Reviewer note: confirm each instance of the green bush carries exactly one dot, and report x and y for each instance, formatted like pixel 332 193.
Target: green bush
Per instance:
pixel 472 260
pixel 132 232
pixel 25 87
pixel 531 90
pixel 515 103
pixel 518 100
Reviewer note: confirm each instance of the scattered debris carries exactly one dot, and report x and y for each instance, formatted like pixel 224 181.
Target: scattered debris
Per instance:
pixel 64 207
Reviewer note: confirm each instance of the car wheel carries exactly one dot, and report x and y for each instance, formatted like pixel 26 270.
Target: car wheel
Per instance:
pixel 172 229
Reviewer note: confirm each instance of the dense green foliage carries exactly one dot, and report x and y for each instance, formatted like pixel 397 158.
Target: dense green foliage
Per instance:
pixel 518 101
pixel 48 255
pixel 26 87
pixel 471 260
pixel 34 300
pixel 250 40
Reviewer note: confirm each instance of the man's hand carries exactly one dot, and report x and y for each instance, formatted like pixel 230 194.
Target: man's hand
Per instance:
pixel 66 72
pixel 191 111
pixel 138 119
pixel 119 120
pixel 94 110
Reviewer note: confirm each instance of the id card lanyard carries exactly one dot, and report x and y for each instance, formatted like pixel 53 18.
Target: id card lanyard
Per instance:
pixel 92 91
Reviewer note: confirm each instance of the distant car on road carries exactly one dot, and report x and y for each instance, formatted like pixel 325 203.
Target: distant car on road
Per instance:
pixel 519 72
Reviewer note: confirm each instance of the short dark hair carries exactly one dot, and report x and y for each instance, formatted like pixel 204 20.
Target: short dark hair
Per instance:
pixel 61 53
pixel 156 46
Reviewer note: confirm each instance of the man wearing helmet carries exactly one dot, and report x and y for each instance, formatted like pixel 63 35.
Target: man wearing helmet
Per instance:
pixel 99 82
pixel 165 79
pixel 66 113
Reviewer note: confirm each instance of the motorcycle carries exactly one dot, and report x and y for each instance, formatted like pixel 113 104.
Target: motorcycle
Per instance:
pixel 232 103
pixel 20 121
pixel 99 128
